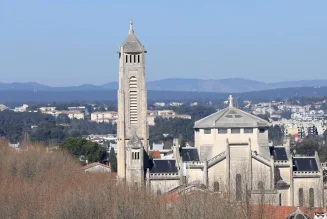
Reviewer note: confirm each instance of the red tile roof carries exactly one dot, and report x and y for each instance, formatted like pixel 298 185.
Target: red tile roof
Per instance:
pixel 155 154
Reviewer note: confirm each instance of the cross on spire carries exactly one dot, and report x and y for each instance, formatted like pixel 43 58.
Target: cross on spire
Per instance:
pixel 131 27
pixel 230 99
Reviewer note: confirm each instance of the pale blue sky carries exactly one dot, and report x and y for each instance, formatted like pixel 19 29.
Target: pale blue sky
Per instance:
pixel 71 42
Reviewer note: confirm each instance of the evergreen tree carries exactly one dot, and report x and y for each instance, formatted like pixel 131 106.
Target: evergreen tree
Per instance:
pixel 113 160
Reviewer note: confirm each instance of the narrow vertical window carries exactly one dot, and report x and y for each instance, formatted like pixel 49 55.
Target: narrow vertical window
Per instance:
pixel 133 100
pixel 126 58
pixel 216 186
pixel 261 185
pixel 138 58
pixel 311 198
pixel 238 187
pixel 134 61
pixel 280 199
pixel 301 197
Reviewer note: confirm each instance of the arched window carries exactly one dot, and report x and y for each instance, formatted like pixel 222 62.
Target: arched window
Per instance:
pixel 301 197
pixel 311 198
pixel 261 185
pixel 238 187
pixel 133 100
pixel 216 186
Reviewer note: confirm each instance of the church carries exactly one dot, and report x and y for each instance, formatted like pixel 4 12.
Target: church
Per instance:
pixel 231 149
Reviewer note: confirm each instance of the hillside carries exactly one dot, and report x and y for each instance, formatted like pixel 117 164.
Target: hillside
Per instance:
pixel 49 96
pixel 231 85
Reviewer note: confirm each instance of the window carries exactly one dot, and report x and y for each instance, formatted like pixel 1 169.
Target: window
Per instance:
pixel 216 186
pixel 280 199
pixel 248 130
pixel 238 187
pixel 301 197
pixel 126 58
pixel 311 198
pixel 133 100
pixel 261 185
pixel 222 131
pixel 207 131
pixel 138 58
pixel 262 130
pixel 235 130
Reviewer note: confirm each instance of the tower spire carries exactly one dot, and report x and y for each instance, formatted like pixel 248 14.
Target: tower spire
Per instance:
pixel 230 100
pixel 131 27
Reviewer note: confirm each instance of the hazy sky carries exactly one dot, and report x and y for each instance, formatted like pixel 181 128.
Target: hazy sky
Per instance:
pixel 71 42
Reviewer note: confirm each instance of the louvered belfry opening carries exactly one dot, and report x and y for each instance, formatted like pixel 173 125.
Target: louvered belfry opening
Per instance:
pixel 133 100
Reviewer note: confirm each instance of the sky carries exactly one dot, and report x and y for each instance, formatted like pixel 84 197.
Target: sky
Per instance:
pixel 73 42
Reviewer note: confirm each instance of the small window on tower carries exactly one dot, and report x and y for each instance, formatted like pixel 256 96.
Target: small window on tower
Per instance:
pixel 126 58
pixel 134 61
pixel 138 58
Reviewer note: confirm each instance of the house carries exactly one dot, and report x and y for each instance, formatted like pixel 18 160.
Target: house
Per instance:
pixel 104 117
pixel 96 168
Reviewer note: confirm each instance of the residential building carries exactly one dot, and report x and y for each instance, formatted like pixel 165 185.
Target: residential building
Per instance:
pixel 3 107
pixel 45 109
pixel 22 108
pixel 104 117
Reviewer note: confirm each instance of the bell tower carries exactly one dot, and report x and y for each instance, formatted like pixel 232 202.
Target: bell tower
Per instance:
pixel 132 101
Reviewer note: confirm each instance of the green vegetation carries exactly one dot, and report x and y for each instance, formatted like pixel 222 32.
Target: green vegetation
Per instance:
pixel 275 135
pixel 92 151
pixel 177 128
pixel 113 160
pixel 38 127
pixel 309 145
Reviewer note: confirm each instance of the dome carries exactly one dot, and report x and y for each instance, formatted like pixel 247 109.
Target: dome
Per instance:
pixel 298 214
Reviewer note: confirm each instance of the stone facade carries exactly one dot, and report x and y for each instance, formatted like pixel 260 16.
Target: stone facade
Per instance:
pixel 132 102
pixel 231 153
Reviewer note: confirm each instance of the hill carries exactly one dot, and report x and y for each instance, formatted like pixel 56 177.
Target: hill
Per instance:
pixel 231 85
pixel 49 96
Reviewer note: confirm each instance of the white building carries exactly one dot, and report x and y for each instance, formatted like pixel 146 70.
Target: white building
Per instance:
pixel 21 108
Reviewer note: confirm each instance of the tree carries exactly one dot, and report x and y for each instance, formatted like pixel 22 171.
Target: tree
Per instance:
pixel 308 146
pixel 275 134
pixel 63 118
pixel 92 151
pixel 264 116
pixel 286 114
pixel 113 160
pixel 181 141
pixel 325 135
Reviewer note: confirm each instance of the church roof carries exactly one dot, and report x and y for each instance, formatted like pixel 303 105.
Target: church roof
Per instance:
pixel 189 154
pixel 305 164
pixel 132 44
pixel 164 166
pixel 231 117
pixel 279 153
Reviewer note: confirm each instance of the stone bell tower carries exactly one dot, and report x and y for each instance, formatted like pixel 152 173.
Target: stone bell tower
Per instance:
pixel 132 104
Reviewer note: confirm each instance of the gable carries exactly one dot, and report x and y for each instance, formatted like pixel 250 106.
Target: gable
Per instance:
pixel 231 117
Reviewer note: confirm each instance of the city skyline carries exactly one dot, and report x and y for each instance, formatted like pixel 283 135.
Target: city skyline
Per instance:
pixel 44 43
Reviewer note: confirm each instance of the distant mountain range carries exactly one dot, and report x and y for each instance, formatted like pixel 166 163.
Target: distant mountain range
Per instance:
pixel 232 85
